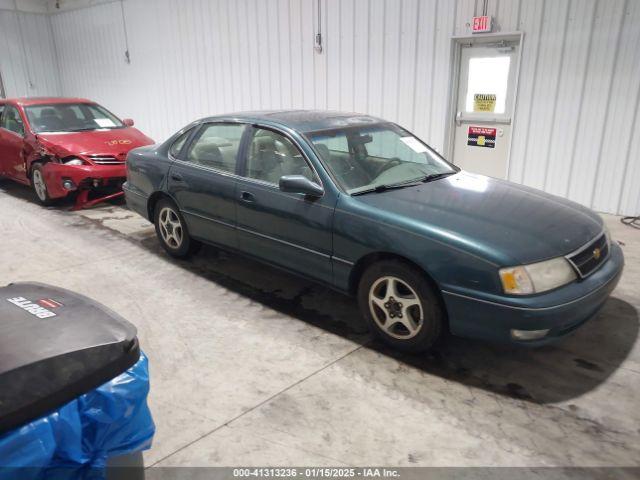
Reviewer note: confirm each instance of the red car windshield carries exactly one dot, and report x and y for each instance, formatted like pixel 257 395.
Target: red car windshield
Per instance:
pixel 70 117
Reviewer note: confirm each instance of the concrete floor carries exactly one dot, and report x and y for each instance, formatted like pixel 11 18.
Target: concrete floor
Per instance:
pixel 251 366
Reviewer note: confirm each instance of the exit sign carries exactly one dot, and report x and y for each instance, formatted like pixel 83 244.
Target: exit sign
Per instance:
pixel 481 24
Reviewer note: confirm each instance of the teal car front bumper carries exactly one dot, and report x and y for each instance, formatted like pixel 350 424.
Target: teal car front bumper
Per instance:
pixel 561 311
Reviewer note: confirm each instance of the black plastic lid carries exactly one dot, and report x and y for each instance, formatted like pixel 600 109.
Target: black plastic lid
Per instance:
pixel 56 345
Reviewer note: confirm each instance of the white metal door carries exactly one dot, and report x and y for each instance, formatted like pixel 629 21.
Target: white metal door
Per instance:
pixel 484 106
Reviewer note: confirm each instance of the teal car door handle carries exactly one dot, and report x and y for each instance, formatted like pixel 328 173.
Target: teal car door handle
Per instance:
pixel 247 197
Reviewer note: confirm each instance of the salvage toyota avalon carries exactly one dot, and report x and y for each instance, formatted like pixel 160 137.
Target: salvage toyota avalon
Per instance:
pixel 364 206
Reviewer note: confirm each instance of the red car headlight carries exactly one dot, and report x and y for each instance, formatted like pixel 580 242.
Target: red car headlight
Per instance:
pixel 73 161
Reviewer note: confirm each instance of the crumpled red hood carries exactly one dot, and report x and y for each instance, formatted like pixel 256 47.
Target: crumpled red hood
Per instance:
pixel 116 142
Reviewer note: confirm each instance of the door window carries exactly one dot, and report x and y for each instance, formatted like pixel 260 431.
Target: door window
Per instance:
pixel 12 121
pixel 488 81
pixel 216 146
pixel 176 147
pixel 272 155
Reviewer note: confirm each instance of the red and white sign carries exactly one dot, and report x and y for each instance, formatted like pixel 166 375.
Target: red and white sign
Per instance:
pixel 482 131
pixel 49 303
pixel 481 24
pixel 481 137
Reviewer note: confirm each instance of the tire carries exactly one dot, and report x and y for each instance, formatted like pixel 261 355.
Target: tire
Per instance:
pixel 171 230
pixel 410 317
pixel 40 186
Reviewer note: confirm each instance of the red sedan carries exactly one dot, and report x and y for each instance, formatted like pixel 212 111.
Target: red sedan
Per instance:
pixel 64 145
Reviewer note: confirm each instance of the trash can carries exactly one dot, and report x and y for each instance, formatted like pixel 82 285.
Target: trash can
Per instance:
pixel 73 385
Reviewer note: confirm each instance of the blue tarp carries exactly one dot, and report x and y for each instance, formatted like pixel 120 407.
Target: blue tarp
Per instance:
pixel 76 440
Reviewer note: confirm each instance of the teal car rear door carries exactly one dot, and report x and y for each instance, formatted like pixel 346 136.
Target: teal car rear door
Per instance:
pixel 203 182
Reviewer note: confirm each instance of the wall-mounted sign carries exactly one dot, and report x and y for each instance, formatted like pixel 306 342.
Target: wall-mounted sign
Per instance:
pixel 481 137
pixel 481 24
pixel 484 102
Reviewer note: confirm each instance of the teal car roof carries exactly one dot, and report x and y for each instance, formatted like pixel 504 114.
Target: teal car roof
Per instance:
pixel 301 120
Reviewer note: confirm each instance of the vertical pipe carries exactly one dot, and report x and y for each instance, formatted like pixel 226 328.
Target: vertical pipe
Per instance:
pixel 318 36
pixel 23 46
pixel 127 57
pixel 2 94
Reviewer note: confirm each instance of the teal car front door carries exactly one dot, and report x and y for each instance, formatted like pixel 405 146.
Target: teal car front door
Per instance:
pixel 291 230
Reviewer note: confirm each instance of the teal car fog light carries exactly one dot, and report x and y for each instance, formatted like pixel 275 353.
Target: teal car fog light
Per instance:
pixel 529 334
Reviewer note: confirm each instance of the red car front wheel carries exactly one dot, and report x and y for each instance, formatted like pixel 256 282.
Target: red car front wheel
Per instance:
pixel 39 185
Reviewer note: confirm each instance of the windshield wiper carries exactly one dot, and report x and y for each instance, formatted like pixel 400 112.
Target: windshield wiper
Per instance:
pixel 388 186
pixel 436 176
pixel 409 183
pixel 86 129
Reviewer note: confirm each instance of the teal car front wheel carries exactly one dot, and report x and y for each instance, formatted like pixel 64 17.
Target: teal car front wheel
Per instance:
pixel 400 305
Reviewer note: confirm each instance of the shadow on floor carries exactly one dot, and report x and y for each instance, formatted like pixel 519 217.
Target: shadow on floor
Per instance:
pixel 573 367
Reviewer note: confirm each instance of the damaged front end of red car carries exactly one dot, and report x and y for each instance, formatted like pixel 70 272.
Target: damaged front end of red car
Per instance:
pixel 90 182
pixel 94 178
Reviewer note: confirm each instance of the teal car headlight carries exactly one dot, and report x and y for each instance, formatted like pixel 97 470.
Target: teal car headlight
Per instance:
pixel 537 277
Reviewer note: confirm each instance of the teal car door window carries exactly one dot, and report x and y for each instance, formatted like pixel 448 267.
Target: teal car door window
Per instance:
pixel 271 156
pixel 216 146
pixel 178 145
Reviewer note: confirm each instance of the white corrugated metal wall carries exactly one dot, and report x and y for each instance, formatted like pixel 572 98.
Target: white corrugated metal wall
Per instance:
pixel 576 131
pixel 27 54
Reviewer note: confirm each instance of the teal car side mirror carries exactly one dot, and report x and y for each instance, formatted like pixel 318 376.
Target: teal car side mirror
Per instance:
pixel 300 184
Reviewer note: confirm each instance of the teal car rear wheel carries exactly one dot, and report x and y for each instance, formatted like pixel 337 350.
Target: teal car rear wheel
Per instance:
pixel 172 231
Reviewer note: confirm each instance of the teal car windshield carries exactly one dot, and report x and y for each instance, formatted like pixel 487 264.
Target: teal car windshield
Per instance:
pixel 375 157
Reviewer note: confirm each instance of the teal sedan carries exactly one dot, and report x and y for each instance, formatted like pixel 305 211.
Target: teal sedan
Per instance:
pixel 364 206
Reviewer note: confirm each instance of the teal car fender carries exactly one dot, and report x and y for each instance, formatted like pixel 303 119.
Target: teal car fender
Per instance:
pixel 362 233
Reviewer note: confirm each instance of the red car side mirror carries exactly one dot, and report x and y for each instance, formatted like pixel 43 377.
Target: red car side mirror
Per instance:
pixel 128 122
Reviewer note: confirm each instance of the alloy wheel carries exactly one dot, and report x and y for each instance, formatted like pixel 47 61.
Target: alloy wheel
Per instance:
pixel 39 186
pixel 396 307
pixel 170 228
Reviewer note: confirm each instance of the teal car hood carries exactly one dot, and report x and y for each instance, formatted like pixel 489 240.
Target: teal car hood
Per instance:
pixel 496 219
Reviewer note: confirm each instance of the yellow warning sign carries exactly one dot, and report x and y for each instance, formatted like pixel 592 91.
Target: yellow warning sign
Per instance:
pixel 484 102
